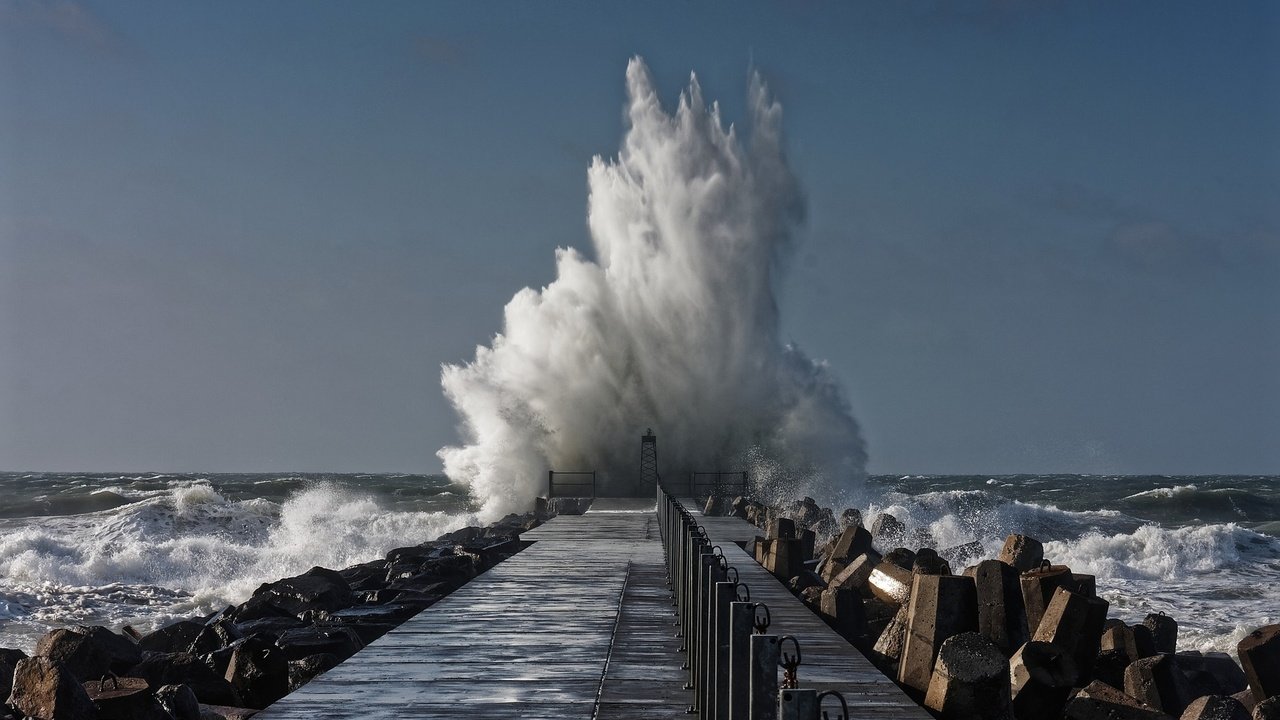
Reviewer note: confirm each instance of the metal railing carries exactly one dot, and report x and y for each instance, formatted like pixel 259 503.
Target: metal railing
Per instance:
pixel 732 661
pixel 717 484
pixel 578 483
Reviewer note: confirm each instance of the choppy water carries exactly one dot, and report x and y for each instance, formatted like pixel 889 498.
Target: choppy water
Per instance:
pixel 142 549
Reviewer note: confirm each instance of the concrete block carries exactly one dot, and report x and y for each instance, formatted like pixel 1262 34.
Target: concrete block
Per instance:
pixel 902 557
pixel 851 516
pixel 1164 632
pixel 1109 667
pixel 887 530
pixel 1001 614
pixel 1245 698
pixel 1142 638
pixel 890 583
pixel 928 562
pixel 1022 552
pixel 941 606
pixel 1268 709
pixel 1074 623
pixel 1260 657
pixel 1212 673
pixel 784 558
pixel 1118 636
pixel 760 547
pixel 843 611
pixel 970 680
pixel 781 528
pixel 887 652
pixel 1159 682
pixel 1100 701
pixel 1215 707
pixel 808 539
pixel 1038 587
pixel 878 614
pixel 1041 677
pixel 853 541
pixel 857 573
pixel 1085 584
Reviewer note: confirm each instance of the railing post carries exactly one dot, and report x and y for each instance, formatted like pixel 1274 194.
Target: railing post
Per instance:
pixel 763 678
pixel 798 705
pixel 725 594
pixel 741 620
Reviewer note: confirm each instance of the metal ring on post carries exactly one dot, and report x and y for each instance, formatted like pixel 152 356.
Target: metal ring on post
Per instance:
pixel 790 663
pixel 844 706
pixel 761 624
pixel 742 593
pixel 734 570
pixel 717 551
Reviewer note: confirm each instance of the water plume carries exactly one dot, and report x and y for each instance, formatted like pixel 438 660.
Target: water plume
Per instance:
pixel 673 325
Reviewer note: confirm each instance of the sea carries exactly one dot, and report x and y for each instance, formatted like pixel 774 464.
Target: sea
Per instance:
pixel 145 549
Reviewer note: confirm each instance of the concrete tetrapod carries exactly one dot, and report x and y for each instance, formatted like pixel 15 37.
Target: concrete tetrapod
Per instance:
pixel 970 680
pixel 1041 677
pixel 1002 615
pixel 1260 657
pixel 1074 623
pixel 941 606
pixel 1215 707
pixel 1100 701
pixel 1159 682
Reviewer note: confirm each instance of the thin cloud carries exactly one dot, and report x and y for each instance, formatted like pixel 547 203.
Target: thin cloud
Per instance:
pixel 67 19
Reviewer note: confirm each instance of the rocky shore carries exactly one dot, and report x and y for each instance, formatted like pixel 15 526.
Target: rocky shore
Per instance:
pixel 1015 636
pixel 236 661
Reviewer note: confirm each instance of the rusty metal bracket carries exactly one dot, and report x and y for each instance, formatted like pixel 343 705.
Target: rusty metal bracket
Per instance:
pixel 844 706
pixel 790 663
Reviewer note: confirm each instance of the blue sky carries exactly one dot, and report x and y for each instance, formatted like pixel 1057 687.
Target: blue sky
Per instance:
pixel 1041 236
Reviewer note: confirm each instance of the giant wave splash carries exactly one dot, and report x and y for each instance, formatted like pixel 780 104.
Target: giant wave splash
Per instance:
pixel 674 325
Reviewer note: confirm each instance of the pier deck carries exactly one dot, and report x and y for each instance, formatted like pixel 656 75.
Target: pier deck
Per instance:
pixel 579 625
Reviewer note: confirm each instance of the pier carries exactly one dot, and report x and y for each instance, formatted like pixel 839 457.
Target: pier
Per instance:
pixel 582 624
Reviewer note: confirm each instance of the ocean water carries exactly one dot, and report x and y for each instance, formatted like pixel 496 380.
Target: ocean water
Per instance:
pixel 144 549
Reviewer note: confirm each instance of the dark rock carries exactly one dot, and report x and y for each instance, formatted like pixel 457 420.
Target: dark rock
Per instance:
pixel 118 698
pixel 44 688
pixel 854 540
pixel 1268 709
pixel 1211 673
pixel 1158 682
pixel 122 652
pixel 781 528
pixel 8 661
pixel 185 669
pixel 273 626
pixel 1164 632
pixel 1038 587
pixel 1022 552
pixel 887 652
pixel 1109 667
pixel 1260 657
pixel 842 609
pixel 225 712
pixel 82 655
pixel 340 641
pixel 316 589
pixel 850 517
pixel 970 680
pixel 179 701
pixel 1215 707
pixel 902 557
pixel 1041 677
pixel 928 562
pixel 812 597
pixel 805 580
pixel 176 637
pixel 1100 701
pixel 1074 623
pixel 303 671
pixel 464 535
pixel 258 672
pixel 215 635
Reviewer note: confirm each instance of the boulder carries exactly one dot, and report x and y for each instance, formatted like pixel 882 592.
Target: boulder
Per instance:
pixel 258 672
pixel 186 669
pixel 850 517
pixel 1100 701
pixel 176 637
pixel 887 652
pixel 928 562
pixel 82 655
pixel 123 652
pixel 316 589
pixel 230 712
pixel 853 541
pixel 1164 632
pixel 216 635
pixel 902 557
pixel 1215 707
pixel 340 641
pixel 8 661
pixel 1260 657
pixel 303 671
pixel 118 698
pixel 1212 673
pixel 44 688
pixel 179 701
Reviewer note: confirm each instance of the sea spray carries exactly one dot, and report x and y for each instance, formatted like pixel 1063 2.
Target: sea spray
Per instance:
pixel 673 325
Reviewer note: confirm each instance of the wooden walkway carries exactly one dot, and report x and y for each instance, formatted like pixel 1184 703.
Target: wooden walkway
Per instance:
pixel 579 625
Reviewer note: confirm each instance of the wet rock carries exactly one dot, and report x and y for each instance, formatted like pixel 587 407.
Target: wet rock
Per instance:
pixel 316 589
pixel 126 698
pixel 8 661
pixel 843 611
pixel 258 672
pixel 340 641
pixel 902 557
pixel 812 597
pixel 853 541
pixel 225 712
pixel 887 652
pixel 1268 709
pixel 176 637
pixel 1109 667
pixel 186 669
pixel 850 517
pixel 44 688
pixel 960 555
pixel 1215 707
pixel 887 530
pixel 1212 673
pixel 928 562
pixel 215 635
pixel 781 528
pixel 804 581
pixel 82 655
pixel 122 652
pixel 179 701
pixel 970 680
pixel 303 671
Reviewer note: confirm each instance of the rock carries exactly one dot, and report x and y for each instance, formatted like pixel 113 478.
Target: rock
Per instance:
pixel 1260 657
pixel 1100 701
pixel 1022 552
pixel 804 581
pixel 1001 615
pixel 44 688
pixel 1158 682
pixel 8 661
pixel 303 671
pixel 970 680
pixel 959 555
pixel 1119 637
pixel 941 606
pixel 812 597
pixel 902 557
pixel 1268 709
pixel 258 672
pixel 176 637
pixel 186 669
pixel 1212 673
pixel 1215 707
pixel 215 635
pixel 179 701
pixel 1041 677
pixel 854 541
pixel 1164 632
pixel 118 698
pixel 887 530
pixel 316 589
pixel 122 652
pixel 850 517
pixel 928 562
pixel 82 655
pixel 229 712
pixel 340 641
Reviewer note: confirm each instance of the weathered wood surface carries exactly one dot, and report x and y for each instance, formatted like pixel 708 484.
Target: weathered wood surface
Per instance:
pixel 829 661
pixel 579 625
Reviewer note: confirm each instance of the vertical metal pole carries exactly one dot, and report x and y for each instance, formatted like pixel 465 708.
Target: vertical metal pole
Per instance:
pixel 763 678
pixel 798 705
pixel 726 592
pixel 741 620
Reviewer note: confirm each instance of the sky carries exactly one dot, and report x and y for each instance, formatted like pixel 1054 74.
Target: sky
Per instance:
pixel 243 236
